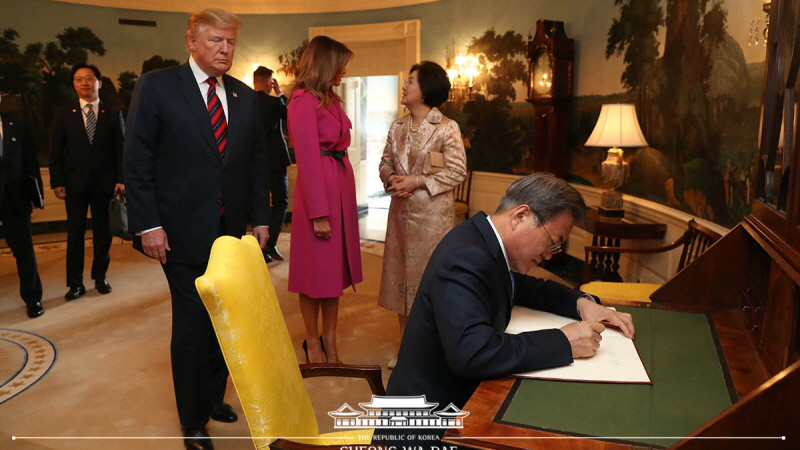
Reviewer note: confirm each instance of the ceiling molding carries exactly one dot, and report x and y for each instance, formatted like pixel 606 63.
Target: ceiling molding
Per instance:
pixel 253 6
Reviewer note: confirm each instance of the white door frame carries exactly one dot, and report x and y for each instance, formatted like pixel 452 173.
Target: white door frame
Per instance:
pixel 404 34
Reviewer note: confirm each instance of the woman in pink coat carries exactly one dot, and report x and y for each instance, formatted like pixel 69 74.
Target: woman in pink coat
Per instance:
pixel 325 254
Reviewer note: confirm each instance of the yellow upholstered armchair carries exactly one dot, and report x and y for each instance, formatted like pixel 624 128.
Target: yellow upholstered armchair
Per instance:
pixel 600 260
pixel 240 298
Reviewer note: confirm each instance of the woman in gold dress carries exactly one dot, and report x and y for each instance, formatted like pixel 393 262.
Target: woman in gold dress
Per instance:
pixel 422 162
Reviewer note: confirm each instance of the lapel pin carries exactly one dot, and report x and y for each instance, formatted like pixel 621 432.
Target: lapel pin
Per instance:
pixel 235 95
pixel 102 111
pixel 13 139
pixel 74 110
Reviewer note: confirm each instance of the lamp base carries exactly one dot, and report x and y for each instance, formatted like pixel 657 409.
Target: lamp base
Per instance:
pixel 611 212
pixel 611 204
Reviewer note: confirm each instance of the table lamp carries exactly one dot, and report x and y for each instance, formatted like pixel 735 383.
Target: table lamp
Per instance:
pixel 616 127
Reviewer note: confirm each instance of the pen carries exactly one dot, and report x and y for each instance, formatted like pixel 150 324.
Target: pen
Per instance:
pixel 608 324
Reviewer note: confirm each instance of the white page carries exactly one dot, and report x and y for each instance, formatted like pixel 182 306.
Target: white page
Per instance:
pixel 616 361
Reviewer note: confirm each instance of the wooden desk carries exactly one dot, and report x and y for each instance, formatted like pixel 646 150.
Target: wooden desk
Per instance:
pixel 609 231
pixel 489 403
pixel 748 282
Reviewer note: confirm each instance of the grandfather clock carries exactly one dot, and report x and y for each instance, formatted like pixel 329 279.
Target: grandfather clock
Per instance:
pixel 550 61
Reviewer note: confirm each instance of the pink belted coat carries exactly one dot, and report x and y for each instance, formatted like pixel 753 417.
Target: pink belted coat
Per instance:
pixel 325 187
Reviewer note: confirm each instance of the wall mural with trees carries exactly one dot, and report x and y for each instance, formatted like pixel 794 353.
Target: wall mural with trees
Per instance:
pixel 697 99
pixel 39 76
pixel 696 94
pixel 36 79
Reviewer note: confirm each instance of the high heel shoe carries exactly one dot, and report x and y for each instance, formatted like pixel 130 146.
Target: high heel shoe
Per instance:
pixel 305 349
pixel 322 344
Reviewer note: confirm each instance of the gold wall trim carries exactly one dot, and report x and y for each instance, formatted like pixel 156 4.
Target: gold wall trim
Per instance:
pixel 253 6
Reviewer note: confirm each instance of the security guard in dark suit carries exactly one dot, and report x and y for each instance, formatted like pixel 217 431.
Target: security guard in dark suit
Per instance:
pixel 86 172
pixel 273 115
pixel 19 169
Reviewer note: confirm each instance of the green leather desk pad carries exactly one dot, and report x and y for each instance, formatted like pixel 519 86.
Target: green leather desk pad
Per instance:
pixel 691 385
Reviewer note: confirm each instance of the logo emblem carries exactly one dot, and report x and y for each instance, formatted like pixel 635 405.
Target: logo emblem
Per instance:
pixel 398 412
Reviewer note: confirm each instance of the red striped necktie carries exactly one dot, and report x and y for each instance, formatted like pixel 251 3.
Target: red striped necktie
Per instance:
pixel 217 115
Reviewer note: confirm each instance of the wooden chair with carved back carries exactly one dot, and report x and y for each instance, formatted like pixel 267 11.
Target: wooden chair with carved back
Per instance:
pixel 461 193
pixel 601 263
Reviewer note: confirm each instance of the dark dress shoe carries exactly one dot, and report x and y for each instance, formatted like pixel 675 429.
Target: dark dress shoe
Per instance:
pixel 275 254
pixel 197 439
pixel 224 413
pixel 267 258
pixel 75 292
pixel 102 287
pixel 35 309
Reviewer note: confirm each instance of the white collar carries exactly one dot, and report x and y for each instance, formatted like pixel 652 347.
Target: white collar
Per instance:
pixel 95 104
pixel 500 240
pixel 201 76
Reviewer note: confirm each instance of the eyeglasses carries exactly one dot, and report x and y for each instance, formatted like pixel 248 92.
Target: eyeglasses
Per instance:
pixel 90 79
pixel 555 247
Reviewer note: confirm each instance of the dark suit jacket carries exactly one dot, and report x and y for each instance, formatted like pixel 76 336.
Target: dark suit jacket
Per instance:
pixel 174 175
pixel 77 165
pixel 455 336
pixel 18 164
pixel 273 113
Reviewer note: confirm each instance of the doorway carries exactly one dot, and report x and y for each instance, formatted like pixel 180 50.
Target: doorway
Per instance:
pixel 371 103
pixel 383 52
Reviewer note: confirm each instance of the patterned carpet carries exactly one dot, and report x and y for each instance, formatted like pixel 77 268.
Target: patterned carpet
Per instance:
pixel 25 358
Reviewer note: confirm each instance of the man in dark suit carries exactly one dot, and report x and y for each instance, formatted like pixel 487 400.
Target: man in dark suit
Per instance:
pixel 86 172
pixel 18 170
pixel 455 334
pixel 195 164
pixel 273 113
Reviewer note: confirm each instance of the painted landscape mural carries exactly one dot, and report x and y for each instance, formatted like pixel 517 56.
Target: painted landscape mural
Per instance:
pixel 697 100
pixel 685 64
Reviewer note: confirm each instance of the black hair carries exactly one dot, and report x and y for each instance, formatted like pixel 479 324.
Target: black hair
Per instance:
pixel 433 82
pixel 262 72
pixel 91 67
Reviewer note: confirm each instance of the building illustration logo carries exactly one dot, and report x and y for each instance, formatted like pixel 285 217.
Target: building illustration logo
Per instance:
pixel 398 412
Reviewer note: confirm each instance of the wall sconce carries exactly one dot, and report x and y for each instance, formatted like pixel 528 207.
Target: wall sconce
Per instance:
pixel 754 34
pixel 462 71
pixel 247 78
pixel 616 127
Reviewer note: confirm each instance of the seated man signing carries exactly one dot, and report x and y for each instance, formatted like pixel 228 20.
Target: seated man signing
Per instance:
pixel 455 334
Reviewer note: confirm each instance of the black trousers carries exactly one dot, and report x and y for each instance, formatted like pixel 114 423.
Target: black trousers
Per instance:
pixel 279 194
pixel 199 373
pixel 17 231
pixel 78 203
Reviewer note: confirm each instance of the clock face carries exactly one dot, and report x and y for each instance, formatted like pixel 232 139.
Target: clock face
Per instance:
pixel 542 77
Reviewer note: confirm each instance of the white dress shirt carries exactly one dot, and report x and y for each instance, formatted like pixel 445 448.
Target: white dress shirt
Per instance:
pixel 95 107
pixel 202 84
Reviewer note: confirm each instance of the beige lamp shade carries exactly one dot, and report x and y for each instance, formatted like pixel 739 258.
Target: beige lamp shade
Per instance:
pixel 617 126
